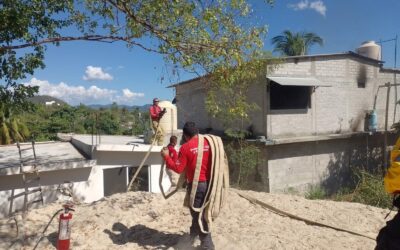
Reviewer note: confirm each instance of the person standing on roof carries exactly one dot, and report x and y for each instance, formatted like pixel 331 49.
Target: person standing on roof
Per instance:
pixel 156 114
pixel 187 158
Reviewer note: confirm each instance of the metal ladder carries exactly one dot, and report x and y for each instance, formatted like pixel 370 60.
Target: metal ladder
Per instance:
pixel 28 176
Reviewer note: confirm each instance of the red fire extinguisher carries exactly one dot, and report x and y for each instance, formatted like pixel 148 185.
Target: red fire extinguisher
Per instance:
pixel 64 228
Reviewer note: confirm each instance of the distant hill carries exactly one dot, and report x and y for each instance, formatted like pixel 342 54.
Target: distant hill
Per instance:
pixel 106 106
pixel 42 99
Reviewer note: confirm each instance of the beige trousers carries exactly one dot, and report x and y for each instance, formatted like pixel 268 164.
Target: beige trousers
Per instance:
pixel 158 133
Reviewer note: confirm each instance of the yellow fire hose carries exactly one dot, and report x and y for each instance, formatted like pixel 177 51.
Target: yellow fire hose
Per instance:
pixel 292 216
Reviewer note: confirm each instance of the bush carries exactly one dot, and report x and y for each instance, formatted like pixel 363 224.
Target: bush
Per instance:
pixel 315 192
pixel 243 157
pixel 369 190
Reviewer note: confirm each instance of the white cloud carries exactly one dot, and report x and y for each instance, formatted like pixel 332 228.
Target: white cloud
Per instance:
pixel 79 94
pixel 300 5
pixel 129 94
pixel 318 6
pixel 96 73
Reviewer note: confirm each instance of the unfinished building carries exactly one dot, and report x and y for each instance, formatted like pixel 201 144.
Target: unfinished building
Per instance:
pixel 312 125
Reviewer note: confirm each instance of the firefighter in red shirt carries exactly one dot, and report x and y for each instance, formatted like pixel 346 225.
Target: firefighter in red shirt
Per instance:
pixel 187 160
pixel 171 147
pixel 174 177
pixel 156 114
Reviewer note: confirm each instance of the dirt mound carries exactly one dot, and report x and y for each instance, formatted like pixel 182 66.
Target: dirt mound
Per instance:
pixel 140 220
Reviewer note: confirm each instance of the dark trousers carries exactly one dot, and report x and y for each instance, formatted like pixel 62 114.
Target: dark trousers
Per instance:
pixel 389 236
pixel 206 240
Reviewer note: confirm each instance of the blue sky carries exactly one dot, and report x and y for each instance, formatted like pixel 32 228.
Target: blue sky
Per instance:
pixel 100 73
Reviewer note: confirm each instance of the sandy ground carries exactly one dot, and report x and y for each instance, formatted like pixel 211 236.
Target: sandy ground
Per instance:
pixel 140 220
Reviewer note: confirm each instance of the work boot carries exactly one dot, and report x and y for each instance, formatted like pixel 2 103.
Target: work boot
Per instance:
pixel 206 242
pixel 193 233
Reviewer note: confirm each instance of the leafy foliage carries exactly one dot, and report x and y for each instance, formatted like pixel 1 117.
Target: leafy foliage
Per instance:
pixel 206 37
pixel 295 44
pixel 12 102
pixel 369 190
pixel 47 121
pixel 315 192
pixel 243 156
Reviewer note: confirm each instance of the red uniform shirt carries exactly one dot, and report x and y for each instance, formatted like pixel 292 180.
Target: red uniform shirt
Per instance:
pixel 155 112
pixel 172 152
pixel 187 160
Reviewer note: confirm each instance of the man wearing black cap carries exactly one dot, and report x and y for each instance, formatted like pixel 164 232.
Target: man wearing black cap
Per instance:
pixel 156 113
pixel 187 160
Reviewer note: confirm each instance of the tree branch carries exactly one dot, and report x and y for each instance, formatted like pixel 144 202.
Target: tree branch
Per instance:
pixel 180 45
pixel 96 38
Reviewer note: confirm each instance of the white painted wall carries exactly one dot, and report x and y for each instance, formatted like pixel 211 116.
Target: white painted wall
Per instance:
pixel 154 178
pixel 87 186
pixel 85 178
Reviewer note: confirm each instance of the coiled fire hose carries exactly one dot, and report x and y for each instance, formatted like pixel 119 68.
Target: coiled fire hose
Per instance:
pixel 218 183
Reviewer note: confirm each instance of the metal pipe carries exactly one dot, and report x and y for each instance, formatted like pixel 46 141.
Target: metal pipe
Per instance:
pixel 383 86
pixel 394 79
pixel 386 85
pixel 385 153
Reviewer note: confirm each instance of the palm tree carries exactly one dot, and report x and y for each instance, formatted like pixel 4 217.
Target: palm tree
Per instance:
pixel 295 44
pixel 12 129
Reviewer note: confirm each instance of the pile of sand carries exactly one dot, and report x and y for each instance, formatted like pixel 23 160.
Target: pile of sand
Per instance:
pixel 140 220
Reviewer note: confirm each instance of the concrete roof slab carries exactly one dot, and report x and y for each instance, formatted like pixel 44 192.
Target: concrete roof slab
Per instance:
pixel 50 156
pixel 107 139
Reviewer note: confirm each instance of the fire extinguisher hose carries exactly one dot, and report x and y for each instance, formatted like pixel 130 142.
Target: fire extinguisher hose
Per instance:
pixel 47 226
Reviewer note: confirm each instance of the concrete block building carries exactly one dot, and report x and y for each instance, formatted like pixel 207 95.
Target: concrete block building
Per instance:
pixel 314 118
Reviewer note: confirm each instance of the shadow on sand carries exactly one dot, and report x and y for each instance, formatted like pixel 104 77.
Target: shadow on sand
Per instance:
pixel 142 235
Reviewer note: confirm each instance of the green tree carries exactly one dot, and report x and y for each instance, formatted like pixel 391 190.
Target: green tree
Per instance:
pixel 12 103
pixel 243 156
pixel 205 37
pixel 38 122
pixel 295 44
pixel 108 123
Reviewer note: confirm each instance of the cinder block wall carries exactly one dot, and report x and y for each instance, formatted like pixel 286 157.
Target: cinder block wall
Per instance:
pixel 190 104
pixel 336 109
pixel 328 163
